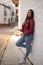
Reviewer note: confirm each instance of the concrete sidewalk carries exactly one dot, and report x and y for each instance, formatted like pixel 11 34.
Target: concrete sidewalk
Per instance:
pixel 5 34
pixel 12 54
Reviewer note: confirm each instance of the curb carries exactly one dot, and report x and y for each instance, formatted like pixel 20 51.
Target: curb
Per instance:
pixel 2 50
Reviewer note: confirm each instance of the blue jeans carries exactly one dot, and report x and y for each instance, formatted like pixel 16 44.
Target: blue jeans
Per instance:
pixel 27 39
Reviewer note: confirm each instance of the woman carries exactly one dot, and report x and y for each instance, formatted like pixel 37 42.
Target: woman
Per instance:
pixel 27 34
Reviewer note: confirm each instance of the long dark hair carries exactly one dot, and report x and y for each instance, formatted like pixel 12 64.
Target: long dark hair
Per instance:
pixel 31 17
pixel 32 14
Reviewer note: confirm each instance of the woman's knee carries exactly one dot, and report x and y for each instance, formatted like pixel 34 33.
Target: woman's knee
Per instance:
pixel 17 44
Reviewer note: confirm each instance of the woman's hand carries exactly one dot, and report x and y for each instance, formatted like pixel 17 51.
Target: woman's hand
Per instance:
pixel 19 30
pixel 21 33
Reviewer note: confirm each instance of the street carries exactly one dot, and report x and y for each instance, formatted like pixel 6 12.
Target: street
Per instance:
pixel 12 54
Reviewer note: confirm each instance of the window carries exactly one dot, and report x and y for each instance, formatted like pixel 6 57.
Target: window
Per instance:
pixel 12 13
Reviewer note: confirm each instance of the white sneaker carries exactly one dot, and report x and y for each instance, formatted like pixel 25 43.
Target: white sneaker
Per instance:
pixel 22 62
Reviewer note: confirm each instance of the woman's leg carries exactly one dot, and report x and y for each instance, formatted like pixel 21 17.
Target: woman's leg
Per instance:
pixel 28 40
pixel 20 42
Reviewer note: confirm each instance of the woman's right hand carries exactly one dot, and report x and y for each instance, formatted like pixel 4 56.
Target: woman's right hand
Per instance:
pixel 19 29
pixel 21 34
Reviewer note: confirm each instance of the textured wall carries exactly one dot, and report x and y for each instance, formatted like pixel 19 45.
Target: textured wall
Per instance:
pixel 37 47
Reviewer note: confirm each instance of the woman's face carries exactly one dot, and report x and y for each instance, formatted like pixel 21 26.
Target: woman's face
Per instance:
pixel 29 13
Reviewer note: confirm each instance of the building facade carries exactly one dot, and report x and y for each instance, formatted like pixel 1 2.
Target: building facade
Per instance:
pixel 7 15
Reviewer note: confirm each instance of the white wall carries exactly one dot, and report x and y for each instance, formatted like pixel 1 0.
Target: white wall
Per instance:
pixel 1 14
pixel 37 47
